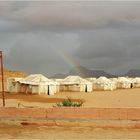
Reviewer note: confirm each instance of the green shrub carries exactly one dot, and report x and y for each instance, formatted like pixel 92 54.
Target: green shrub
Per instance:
pixel 69 103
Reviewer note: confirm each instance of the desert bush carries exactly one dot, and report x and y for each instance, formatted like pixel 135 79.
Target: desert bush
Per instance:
pixel 70 103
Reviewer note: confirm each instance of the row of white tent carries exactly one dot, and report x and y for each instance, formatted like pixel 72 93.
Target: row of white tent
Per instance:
pixel 39 84
pixel 34 83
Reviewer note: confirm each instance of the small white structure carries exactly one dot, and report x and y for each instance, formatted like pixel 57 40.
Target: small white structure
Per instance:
pixel 34 83
pixel 75 84
pixel 13 84
pixel 123 83
pixel 103 83
pixel 135 82
pixel 39 84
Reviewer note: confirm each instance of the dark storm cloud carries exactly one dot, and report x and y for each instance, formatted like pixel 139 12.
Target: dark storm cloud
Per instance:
pixel 72 15
pixel 111 50
pixel 98 35
pixel 39 53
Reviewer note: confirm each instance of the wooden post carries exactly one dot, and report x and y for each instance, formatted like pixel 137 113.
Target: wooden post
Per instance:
pixel 2 79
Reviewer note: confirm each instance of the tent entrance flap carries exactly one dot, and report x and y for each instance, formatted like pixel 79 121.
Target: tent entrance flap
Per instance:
pixel 86 88
pixel 48 90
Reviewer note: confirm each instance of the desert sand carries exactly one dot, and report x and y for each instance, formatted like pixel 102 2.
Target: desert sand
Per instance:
pixel 14 130
pixel 117 98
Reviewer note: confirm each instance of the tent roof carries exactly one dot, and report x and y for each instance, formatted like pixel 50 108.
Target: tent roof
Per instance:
pixel 113 79
pixel 103 79
pixel 75 80
pixel 124 79
pixel 38 79
pixel 16 79
pixel 136 80
pixel 92 79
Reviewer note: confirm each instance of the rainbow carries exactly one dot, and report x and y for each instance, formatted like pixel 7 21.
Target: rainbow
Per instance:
pixel 69 60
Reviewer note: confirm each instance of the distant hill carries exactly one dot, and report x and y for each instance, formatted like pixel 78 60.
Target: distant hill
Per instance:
pixel 84 72
pixel 133 73
pixel 79 70
pixel 12 73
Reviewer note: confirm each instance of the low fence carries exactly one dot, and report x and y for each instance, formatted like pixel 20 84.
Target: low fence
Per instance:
pixel 72 113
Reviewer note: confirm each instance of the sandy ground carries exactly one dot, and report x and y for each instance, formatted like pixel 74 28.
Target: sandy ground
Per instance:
pixel 117 98
pixel 18 131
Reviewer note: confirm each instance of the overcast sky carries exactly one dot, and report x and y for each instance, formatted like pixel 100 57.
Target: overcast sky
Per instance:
pixel 51 37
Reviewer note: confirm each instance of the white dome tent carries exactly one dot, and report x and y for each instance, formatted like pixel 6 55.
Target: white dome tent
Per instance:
pixel 123 83
pixel 38 84
pixel 75 84
pixel 136 82
pixel 13 85
pixel 103 83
